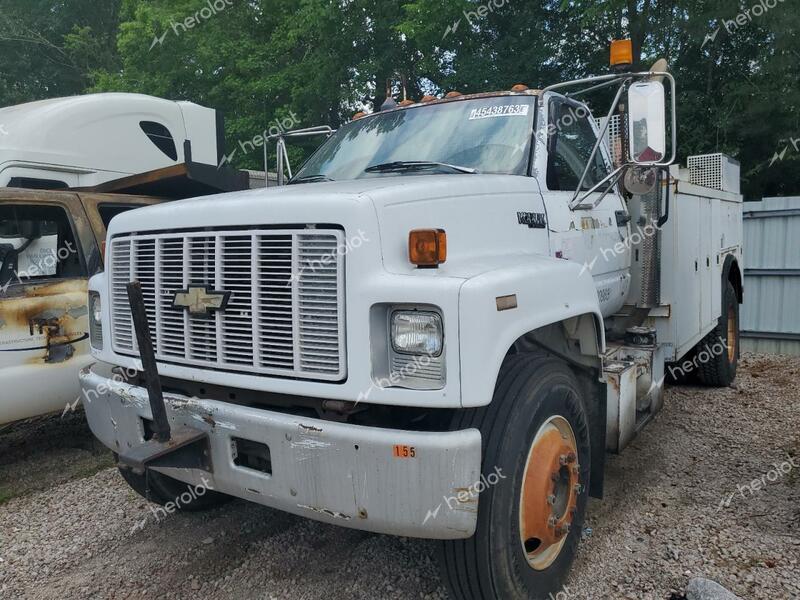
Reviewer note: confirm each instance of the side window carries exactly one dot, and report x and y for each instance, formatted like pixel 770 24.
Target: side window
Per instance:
pixel 37 244
pixel 570 143
pixel 161 137
pixel 109 211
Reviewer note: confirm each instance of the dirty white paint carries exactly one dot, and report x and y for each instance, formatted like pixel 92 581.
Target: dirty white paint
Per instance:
pixel 325 511
pixel 310 444
pixel 214 423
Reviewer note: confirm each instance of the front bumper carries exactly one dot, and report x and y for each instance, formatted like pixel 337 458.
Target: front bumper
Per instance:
pixel 333 472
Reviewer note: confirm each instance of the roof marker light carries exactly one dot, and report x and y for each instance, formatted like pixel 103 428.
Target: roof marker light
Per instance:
pixel 621 53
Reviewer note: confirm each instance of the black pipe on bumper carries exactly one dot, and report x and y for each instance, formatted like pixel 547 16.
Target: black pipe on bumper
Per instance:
pixel 161 428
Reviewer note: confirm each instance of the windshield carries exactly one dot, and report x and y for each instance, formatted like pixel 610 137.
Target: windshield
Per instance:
pixel 484 135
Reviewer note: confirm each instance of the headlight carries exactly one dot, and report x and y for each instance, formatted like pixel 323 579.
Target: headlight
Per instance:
pixel 417 333
pixel 95 321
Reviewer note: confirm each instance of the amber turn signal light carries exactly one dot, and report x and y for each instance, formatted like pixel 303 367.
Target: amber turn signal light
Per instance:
pixel 621 52
pixel 427 247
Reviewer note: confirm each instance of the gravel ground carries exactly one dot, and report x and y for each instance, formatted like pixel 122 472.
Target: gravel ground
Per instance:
pixel 677 506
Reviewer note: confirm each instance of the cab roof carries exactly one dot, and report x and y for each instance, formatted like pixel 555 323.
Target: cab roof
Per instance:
pixel 453 98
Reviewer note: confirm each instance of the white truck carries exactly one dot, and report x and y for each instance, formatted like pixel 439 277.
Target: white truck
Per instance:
pixel 67 166
pixel 436 329
pixel 84 141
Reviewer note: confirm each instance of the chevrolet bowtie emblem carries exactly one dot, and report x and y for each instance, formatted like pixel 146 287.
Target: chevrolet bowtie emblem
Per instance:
pixel 200 301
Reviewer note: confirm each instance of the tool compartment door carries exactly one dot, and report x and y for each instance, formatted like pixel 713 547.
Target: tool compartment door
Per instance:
pixel 703 228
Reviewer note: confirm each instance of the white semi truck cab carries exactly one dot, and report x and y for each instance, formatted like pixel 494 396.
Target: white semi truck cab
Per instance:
pixel 86 141
pixel 437 328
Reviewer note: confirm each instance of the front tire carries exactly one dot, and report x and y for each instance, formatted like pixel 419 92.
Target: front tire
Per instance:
pixel 536 439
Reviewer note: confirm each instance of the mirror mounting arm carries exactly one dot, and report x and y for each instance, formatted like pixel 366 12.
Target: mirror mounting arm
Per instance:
pixel 599 141
pixel 603 81
pixel 612 179
pixel 282 156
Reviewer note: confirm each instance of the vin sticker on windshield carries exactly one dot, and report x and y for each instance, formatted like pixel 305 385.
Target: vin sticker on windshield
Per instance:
pixel 499 110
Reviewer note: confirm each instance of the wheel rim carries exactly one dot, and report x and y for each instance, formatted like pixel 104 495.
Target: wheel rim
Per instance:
pixel 731 333
pixel 549 496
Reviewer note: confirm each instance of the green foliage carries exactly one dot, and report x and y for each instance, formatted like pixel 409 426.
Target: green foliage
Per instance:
pixel 259 61
pixel 49 49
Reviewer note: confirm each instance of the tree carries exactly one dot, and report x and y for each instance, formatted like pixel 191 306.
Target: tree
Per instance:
pixel 49 49
pixel 265 61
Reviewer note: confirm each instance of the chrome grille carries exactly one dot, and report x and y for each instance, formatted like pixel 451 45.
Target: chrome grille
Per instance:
pixel 285 313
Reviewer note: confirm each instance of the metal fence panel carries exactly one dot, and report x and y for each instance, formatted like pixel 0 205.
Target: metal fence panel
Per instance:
pixel 771 312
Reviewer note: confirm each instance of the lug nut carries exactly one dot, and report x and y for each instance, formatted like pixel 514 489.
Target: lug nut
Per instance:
pixel 576 469
pixel 578 488
pixel 571 457
pixel 551 522
pixel 562 459
pixel 564 529
pixel 551 499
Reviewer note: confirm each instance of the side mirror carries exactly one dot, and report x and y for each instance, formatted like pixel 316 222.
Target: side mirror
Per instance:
pixel 647 123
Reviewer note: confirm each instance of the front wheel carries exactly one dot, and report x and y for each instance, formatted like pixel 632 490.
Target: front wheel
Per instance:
pixel 537 451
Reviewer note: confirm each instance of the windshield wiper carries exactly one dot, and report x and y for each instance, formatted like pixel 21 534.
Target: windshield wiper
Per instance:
pixel 310 179
pixel 416 165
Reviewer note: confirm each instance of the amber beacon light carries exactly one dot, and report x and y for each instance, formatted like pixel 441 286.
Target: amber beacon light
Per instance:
pixel 621 53
pixel 427 247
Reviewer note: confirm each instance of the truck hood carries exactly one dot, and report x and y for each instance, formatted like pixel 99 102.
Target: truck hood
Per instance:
pixel 478 212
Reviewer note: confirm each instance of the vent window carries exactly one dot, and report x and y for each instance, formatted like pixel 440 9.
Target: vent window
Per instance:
pixel 161 137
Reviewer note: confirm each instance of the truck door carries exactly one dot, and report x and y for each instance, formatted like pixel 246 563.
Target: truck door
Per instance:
pixel 597 237
pixel 43 307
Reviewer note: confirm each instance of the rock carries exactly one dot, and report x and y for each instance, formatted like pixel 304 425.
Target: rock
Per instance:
pixel 705 589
